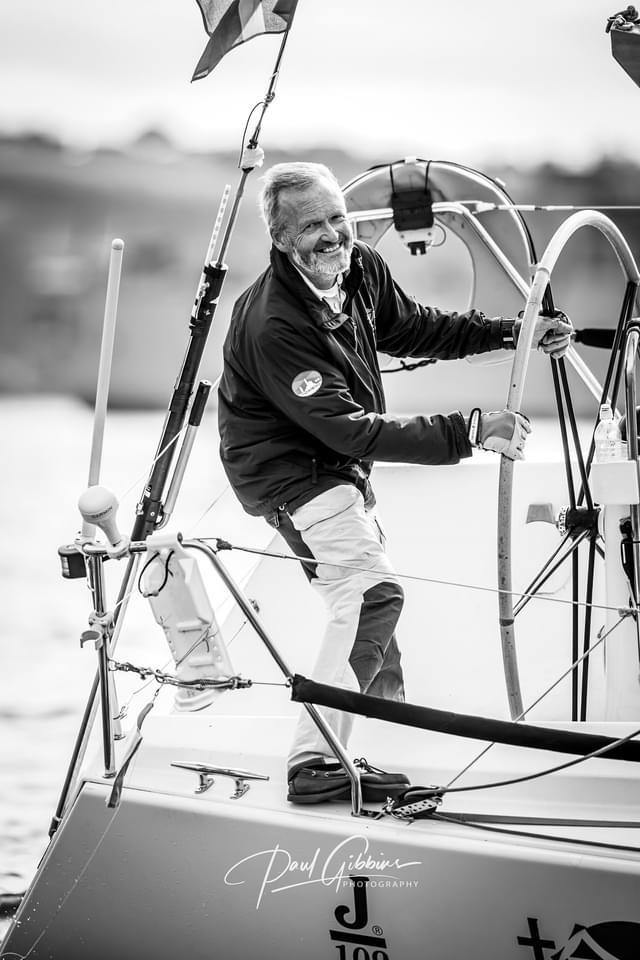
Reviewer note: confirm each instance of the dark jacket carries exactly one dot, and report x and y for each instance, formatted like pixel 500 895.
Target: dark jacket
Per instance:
pixel 279 446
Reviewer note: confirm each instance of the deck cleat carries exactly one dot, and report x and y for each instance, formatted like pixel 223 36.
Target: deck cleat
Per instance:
pixel 206 779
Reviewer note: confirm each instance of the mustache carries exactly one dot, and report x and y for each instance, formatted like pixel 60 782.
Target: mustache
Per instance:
pixel 344 240
pixel 322 263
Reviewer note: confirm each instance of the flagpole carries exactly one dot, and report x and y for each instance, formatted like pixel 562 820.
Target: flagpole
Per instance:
pixel 252 154
pixel 271 92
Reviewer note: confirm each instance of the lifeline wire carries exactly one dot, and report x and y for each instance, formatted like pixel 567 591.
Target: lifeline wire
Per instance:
pixel 153 673
pixel 225 545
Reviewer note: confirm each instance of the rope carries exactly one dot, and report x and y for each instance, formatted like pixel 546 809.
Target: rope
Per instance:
pixel 541 773
pixel 546 821
pixel 406 367
pixel 536 836
pixel 260 103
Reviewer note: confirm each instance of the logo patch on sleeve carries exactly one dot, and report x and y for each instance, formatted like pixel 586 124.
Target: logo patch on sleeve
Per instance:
pixel 306 383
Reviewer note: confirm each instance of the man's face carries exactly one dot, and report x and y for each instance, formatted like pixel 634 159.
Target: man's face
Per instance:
pixel 317 236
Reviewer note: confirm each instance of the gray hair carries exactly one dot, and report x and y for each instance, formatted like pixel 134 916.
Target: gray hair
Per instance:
pixel 288 176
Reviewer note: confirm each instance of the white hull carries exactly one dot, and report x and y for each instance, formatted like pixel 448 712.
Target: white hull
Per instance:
pixel 461 897
pixel 173 873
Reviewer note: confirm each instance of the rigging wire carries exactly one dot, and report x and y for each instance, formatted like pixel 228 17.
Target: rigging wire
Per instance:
pixel 211 506
pixel 550 567
pixel 602 636
pixel 482 206
pixel 160 453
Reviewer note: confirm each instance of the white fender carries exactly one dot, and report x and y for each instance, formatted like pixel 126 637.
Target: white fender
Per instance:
pixel 172 582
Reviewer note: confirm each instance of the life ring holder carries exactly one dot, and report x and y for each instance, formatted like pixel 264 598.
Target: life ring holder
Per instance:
pixel 497 241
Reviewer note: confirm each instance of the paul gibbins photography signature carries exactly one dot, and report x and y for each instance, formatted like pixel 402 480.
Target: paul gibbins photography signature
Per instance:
pixel 274 870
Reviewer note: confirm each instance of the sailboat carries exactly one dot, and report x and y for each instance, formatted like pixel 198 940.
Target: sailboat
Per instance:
pixel 520 834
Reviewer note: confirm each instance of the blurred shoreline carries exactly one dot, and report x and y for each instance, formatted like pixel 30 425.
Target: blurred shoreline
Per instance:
pixel 60 209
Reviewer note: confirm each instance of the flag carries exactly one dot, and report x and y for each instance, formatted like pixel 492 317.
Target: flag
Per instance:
pixel 231 22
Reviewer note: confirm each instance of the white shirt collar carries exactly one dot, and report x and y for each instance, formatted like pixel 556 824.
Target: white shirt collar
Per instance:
pixel 333 293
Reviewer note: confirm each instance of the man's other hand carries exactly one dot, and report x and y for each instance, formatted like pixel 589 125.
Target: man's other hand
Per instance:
pixel 504 432
pixel 552 335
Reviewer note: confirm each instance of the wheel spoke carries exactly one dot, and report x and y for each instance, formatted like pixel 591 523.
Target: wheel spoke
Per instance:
pixel 545 573
pixel 563 431
pixel 585 491
pixel 586 644
pixel 575 626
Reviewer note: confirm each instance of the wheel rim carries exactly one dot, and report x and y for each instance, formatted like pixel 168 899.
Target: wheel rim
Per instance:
pixel 540 300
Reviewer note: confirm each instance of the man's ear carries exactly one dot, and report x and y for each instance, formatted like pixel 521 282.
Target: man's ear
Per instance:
pixel 280 242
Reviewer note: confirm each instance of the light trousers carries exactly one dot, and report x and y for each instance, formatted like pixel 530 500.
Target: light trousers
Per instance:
pixel 356 581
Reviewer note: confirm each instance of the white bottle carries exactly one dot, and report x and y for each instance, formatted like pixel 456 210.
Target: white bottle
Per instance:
pixel 608 440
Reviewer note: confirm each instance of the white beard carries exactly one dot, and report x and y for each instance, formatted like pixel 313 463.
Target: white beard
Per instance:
pixel 318 263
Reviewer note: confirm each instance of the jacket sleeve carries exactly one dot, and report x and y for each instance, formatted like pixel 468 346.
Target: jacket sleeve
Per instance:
pixel 407 329
pixel 328 412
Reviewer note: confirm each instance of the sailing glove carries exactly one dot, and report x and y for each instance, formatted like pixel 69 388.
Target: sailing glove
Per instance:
pixel 551 335
pixel 503 432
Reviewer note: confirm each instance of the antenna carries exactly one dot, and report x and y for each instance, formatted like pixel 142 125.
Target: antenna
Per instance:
pixel 104 368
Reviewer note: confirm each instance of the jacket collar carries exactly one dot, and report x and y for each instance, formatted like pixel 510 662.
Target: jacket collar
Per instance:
pixel 321 314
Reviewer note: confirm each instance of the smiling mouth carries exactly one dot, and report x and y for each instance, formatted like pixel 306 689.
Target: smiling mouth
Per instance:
pixel 331 249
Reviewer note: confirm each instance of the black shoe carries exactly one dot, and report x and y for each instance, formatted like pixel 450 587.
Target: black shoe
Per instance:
pixel 314 781
pixel 377 784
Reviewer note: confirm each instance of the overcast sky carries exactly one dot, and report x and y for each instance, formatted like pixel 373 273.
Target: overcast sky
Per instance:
pixel 467 80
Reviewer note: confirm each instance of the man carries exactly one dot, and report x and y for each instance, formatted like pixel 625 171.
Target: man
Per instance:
pixel 302 418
